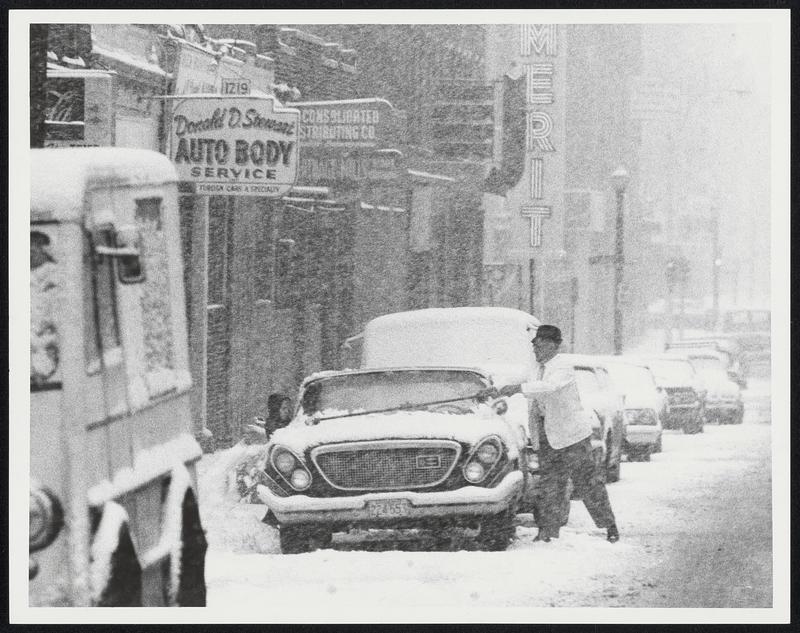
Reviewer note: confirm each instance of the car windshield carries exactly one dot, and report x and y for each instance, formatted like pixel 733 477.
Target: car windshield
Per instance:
pixel 587 381
pixel 377 391
pixel 672 370
pixel 631 378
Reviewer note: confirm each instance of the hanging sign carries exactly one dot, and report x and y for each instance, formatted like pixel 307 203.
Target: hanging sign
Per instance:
pixel 234 145
pixel 356 123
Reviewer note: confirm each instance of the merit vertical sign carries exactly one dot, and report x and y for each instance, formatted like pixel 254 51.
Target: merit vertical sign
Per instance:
pixel 542 58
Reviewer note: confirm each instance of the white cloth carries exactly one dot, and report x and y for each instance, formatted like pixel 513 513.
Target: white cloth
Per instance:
pixel 566 421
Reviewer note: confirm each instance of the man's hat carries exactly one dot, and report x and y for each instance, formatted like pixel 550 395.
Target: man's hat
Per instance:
pixel 549 331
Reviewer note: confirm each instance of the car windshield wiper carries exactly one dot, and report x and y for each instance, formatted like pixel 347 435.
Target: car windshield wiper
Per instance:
pixel 401 407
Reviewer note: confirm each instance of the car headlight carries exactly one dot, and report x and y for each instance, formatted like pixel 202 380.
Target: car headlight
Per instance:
pixel 290 468
pixel 46 518
pixel 283 461
pixel 300 479
pixel 488 453
pixel 482 459
pixel 474 472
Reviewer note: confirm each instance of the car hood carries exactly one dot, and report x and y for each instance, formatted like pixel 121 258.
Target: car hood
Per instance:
pixel 409 425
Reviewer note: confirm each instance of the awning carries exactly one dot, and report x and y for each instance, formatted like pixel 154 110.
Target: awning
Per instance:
pixel 310 199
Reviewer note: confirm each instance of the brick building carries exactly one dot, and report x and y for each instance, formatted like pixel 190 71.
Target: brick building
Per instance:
pixel 274 286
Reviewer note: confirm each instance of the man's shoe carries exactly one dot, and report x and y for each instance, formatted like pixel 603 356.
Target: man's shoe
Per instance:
pixel 612 534
pixel 545 536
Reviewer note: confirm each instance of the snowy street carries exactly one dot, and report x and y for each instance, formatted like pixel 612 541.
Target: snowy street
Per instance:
pixel 695 525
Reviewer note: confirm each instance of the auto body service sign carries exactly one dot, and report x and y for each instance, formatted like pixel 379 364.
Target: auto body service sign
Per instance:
pixel 234 146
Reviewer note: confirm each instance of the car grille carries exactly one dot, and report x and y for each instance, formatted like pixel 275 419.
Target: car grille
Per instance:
pixel 386 465
pixel 681 395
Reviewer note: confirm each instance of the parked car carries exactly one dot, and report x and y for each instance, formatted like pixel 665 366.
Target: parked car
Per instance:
pixel 723 396
pixel 727 349
pixel 599 394
pixel 643 402
pixel 686 395
pixel 496 340
pixel 394 448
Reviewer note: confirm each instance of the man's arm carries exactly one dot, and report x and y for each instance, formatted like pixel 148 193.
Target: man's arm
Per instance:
pixel 558 378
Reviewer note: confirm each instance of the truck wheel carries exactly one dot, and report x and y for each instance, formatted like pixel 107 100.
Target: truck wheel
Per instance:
pixel 496 531
pixel 657 447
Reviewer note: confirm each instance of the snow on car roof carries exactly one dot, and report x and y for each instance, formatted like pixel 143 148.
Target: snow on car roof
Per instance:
pixel 62 176
pixel 582 359
pixel 449 315
pixel 623 360
pixel 485 337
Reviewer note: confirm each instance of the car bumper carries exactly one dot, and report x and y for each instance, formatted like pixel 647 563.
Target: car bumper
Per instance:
pixel 682 413
pixel 723 407
pixel 469 500
pixel 642 435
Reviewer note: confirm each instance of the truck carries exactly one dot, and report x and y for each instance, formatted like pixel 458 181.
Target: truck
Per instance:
pixel 114 518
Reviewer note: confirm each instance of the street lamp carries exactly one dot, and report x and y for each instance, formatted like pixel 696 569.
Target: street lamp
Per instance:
pixel 716 265
pixel 619 179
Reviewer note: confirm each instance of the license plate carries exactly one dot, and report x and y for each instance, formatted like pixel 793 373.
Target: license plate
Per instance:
pixel 388 508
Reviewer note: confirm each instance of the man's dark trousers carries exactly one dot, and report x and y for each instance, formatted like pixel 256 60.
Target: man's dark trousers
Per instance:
pixel 557 466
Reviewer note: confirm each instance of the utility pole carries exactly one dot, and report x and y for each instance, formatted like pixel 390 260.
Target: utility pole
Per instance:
pixel 717 264
pixel 620 179
pixel 670 273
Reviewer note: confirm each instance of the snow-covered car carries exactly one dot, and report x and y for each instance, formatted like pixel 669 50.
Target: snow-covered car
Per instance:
pixel 686 396
pixel 723 396
pixel 643 429
pixel 600 396
pixel 394 448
